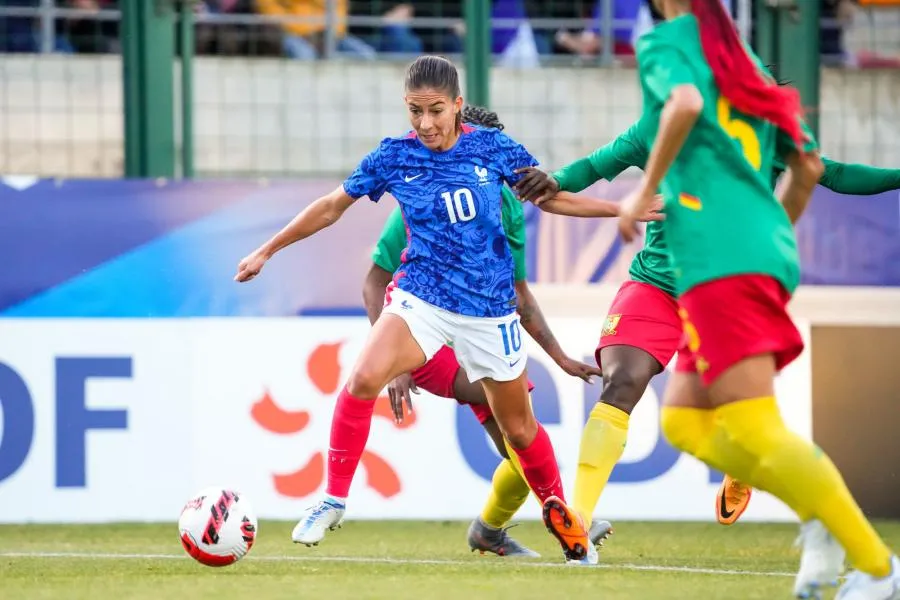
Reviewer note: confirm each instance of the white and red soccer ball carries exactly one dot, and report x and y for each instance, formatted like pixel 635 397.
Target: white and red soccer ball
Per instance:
pixel 217 527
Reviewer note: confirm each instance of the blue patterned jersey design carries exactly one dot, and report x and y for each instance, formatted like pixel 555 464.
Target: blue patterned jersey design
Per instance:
pixel 458 257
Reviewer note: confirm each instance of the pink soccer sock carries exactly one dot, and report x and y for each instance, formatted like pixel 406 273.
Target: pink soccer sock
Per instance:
pixel 349 433
pixel 540 468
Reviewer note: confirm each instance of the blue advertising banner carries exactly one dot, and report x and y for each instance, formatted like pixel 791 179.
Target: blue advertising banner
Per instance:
pixel 145 248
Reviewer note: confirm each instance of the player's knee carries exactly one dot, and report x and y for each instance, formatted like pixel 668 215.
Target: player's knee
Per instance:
pixel 520 432
pixel 623 388
pixel 365 383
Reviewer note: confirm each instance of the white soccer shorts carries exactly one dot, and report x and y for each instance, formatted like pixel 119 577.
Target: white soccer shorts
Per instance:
pixel 486 347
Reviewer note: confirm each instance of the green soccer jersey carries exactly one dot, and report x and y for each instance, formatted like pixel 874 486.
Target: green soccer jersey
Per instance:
pixel 393 241
pixel 721 216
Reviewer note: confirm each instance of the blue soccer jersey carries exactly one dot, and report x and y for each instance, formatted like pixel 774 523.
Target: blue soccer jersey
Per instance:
pixel 457 258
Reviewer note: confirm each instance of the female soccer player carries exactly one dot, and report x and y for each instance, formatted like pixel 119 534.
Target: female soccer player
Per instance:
pixel 455 286
pixel 443 376
pixel 734 254
pixel 643 329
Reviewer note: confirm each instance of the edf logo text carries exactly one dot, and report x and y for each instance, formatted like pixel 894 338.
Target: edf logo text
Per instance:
pixel 73 418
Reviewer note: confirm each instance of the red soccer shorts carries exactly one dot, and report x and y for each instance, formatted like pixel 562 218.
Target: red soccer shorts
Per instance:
pixel 730 319
pixel 645 317
pixel 438 375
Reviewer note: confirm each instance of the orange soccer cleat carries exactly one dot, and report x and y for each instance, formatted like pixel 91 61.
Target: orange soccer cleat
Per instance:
pixel 732 500
pixel 567 526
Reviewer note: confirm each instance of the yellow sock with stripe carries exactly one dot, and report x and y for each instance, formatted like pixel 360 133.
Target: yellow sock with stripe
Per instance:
pixel 509 491
pixel 753 445
pixel 602 444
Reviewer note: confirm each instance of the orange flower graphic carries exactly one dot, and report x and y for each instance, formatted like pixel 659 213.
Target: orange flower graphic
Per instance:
pixel 324 371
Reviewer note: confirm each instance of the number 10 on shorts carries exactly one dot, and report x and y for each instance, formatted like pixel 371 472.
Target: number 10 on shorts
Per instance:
pixel 512 336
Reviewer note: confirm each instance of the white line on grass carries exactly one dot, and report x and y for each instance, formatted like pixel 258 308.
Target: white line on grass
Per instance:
pixel 391 561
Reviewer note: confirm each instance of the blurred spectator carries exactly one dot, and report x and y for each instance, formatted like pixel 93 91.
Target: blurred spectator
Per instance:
pixel 631 17
pixel 23 34
pixel 831 39
pixel 395 35
pixel 87 35
pixel 517 44
pixel 443 40
pixel 306 40
pixel 260 39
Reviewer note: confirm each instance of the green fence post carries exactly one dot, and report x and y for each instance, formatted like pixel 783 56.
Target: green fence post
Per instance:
pixel 131 84
pixel 186 29
pixel 799 59
pixel 766 42
pixel 478 52
pixel 147 71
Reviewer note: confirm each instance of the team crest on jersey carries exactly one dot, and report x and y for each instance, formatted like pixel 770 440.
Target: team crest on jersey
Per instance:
pixel 482 173
pixel 702 365
pixel 609 326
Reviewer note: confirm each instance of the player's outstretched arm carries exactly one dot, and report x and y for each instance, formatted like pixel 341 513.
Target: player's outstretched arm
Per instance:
pixel 858 179
pixel 804 172
pixel 535 324
pixel 678 118
pixel 377 280
pixel 607 162
pixel 320 214
pixel 577 205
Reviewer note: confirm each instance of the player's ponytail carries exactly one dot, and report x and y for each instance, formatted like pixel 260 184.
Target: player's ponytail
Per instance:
pixel 738 78
pixel 479 115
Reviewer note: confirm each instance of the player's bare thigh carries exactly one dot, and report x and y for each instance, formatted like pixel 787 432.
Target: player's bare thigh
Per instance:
pixel 375 367
pixel 752 377
pixel 686 390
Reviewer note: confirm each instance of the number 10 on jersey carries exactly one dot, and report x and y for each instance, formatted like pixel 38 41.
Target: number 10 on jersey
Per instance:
pixel 460 205
pixel 512 336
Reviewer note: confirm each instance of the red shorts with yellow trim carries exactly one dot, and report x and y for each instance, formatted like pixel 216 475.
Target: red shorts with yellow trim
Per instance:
pixel 728 320
pixel 645 317
pixel 438 375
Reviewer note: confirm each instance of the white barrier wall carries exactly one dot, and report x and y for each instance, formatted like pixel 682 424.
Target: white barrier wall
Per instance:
pixel 116 419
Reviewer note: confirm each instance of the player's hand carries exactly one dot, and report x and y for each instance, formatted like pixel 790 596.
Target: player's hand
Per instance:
pixel 535 185
pixel 630 210
pixel 655 212
pixel 579 369
pixel 250 266
pixel 401 389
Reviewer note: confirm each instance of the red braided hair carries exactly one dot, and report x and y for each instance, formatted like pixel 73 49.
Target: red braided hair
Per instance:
pixel 738 78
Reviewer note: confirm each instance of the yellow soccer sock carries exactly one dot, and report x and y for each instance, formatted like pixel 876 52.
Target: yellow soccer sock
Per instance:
pixel 602 444
pixel 686 428
pixel 752 443
pixel 509 490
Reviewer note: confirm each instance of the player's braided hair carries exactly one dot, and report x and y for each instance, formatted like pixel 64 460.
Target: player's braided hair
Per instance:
pixel 737 77
pixel 437 73
pixel 479 115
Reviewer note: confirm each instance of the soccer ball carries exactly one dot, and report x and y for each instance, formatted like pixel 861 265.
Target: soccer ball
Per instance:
pixel 217 527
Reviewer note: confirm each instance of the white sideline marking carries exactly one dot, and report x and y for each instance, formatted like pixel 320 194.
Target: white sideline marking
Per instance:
pixel 394 561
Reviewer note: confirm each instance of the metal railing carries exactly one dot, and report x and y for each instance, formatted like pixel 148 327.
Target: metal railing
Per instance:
pixel 61 115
